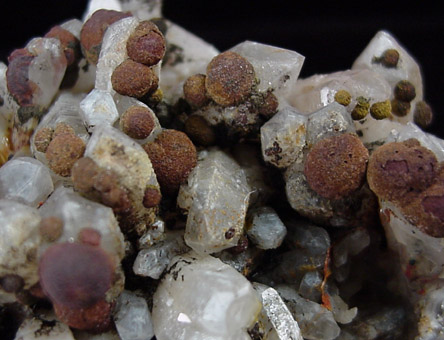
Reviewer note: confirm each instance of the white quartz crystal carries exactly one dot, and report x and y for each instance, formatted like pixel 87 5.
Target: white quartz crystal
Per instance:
pixel 185 56
pixel 26 180
pixel 352 244
pixel 216 197
pixel 9 106
pixel 283 137
pixel 274 309
pixel 78 213
pixel 267 230
pixel 46 70
pixel 113 51
pixel 201 298
pixel 73 26
pixel 430 308
pixel 143 9
pixel 132 317
pixel 277 69
pixel 98 108
pixel 19 241
pixel 153 261
pixel 36 329
pixel 406 69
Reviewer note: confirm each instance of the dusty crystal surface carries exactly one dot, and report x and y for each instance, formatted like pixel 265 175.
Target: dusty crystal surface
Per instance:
pixel 98 108
pixel 34 328
pixel 267 230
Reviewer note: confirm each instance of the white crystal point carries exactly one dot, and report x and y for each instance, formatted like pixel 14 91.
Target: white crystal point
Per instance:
pixel 186 55
pixel 267 230
pixel 46 70
pixel 78 213
pixel 275 312
pixel 216 197
pixel 202 298
pixel 132 317
pixel 19 241
pixel 143 9
pixel 283 137
pixel 113 51
pixel 36 329
pixel 332 120
pixel 26 180
pixel 98 108
pixel 9 106
pixel 95 5
pixel 406 69
pixel 276 68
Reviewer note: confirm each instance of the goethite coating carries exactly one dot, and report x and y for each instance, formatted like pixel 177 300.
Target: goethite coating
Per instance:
pixel 153 186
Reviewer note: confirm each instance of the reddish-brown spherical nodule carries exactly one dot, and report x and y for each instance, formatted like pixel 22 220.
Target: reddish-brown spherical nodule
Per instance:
pixel 146 44
pixel 42 138
pixel 173 156
pixel 63 151
pixel 137 122
pixel 151 198
pixel 89 236
pixel 51 228
pixel 70 44
pixel 134 79
pixel 93 30
pixel 194 91
pixel 405 91
pixel 335 166
pixel 75 275
pixel 399 171
pixel 230 79
pixel 21 88
pixel 200 132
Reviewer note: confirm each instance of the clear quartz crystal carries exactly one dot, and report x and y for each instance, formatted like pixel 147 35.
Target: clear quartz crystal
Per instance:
pixel 153 261
pixel 283 137
pixel 201 298
pixel 9 106
pixel 36 329
pixel 186 55
pixel 19 241
pixel 352 244
pixel 143 9
pixel 315 321
pixel 73 26
pixel 26 180
pixel 267 230
pixel 113 51
pixel 98 108
pixel 277 314
pixel 216 197
pixel 277 69
pixel 430 308
pixel 46 70
pixel 132 317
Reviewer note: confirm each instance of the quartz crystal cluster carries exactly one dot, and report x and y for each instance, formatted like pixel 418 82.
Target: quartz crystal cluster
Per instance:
pixel 152 187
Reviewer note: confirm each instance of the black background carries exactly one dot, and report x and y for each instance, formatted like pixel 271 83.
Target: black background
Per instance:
pixel 329 34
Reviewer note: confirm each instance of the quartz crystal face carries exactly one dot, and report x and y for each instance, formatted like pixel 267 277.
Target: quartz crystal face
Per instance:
pixel 152 186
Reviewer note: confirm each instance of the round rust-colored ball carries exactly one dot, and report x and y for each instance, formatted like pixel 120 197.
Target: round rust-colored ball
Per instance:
pixel 343 97
pixel 151 198
pixel 269 106
pixel 134 79
pixel 335 167
pixel 423 114
pixel 400 108
pixel 42 138
pixel 173 156
pixel 83 174
pixel 89 236
pixel 63 151
pixel 75 275
pixel 21 88
pixel 230 79
pixel 137 122
pixel 69 42
pixel 405 91
pixel 389 58
pixel 200 132
pixel 194 91
pixel 63 128
pixel 146 44
pixel 399 171
pixel 51 228
pixel 93 30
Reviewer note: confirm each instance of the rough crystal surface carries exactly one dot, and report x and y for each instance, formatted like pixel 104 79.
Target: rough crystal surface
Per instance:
pixel 132 317
pixel 267 230
pixel 25 180
pixel 283 137
pixel 216 198
pixel 143 9
pixel 224 308
pixel 98 108
pixel 36 329
pixel 277 69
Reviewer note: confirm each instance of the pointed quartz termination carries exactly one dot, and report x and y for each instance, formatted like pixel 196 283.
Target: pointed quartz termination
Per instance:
pixel 405 69
pixel 283 137
pixel 113 150
pixel 275 312
pixel 186 55
pixel 132 317
pixel 276 68
pixel 216 197
pixel 19 241
pixel 26 180
pixel 153 261
pixel 99 108
pixel 267 230
pixel 224 308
